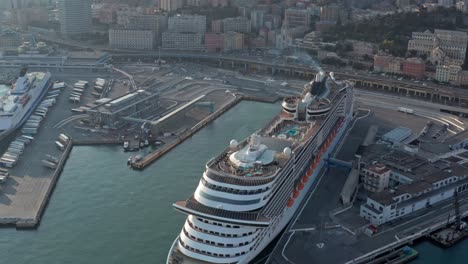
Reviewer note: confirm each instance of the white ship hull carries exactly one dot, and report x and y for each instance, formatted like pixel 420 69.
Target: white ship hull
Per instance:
pixel 232 219
pixel 23 114
pixel 290 212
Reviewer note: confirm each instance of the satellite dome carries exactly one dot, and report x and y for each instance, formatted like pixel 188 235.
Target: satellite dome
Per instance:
pixel 233 143
pixel 287 152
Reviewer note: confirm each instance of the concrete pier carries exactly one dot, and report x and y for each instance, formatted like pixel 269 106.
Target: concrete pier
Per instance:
pixel 27 205
pixel 153 156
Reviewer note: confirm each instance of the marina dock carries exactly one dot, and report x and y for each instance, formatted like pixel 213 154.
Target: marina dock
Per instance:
pixel 153 156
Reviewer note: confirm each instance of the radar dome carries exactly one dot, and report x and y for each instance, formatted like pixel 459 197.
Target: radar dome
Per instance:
pixel 233 143
pixel 287 152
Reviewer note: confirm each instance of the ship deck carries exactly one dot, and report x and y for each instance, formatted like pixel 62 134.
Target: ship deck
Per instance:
pixel 176 257
pixel 192 206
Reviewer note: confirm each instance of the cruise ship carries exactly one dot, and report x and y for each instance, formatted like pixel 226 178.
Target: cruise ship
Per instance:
pixel 19 101
pixel 249 193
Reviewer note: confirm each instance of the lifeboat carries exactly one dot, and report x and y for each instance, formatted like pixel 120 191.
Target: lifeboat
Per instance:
pixel 290 202
pixel 295 194
pixel 300 186
pixel 305 179
pixel 309 173
pixel 314 165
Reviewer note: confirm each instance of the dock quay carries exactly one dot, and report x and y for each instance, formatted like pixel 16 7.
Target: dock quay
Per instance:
pixel 34 220
pixel 94 142
pixel 153 156
pixel 402 255
pixel 448 237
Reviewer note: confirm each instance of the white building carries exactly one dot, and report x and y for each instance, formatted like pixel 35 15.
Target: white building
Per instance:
pixel 394 204
pixel 375 177
pixel 131 39
pixel 447 73
pixel 75 17
pixel 187 23
pixel 182 41
pixel 453 44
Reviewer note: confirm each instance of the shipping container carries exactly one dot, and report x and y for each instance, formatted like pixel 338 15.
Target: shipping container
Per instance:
pixel 78 110
pixel 29 131
pixel 15 151
pixel 11 155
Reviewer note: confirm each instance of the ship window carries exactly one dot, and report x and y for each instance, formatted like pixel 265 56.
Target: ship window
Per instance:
pixel 228 201
pixel 230 245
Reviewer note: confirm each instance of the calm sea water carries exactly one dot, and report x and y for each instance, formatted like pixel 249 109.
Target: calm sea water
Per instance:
pixel 431 254
pixel 101 212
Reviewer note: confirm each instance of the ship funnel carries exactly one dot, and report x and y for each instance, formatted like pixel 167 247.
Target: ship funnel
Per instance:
pixel 307 98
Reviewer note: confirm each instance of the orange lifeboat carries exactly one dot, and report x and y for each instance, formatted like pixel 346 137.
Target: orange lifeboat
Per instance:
pixel 309 173
pixel 300 186
pixel 290 202
pixel 295 194
pixel 314 165
pixel 305 179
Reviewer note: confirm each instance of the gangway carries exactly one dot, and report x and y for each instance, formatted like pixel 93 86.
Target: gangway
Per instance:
pixel 336 163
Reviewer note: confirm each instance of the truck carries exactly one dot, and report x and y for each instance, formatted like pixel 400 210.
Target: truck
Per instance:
pixel 74 99
pixel 16 151
pixel 52 158
pixel 79 85
pixel 3 178
pixel 49 164
pixel 64 138
pixel 59 145
pixel 406 110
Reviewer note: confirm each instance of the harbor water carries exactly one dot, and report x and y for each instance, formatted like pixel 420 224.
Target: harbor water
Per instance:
pixel 431 254
pixel 103 213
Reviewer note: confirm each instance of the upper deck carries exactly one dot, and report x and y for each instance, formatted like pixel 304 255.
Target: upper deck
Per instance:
pixel 266 152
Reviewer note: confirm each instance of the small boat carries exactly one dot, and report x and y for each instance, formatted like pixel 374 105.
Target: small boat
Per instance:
pixel 146 143
pixel 125 145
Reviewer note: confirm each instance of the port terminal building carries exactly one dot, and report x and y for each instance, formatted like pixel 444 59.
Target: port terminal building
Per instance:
pixel 139 106
pixel 399 182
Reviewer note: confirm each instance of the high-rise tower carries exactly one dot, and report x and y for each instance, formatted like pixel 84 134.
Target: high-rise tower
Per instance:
pixel 75 17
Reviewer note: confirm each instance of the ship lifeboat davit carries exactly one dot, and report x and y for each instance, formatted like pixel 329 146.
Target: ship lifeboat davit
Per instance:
pixel 295 194
pixel 300 186
pixel 290 202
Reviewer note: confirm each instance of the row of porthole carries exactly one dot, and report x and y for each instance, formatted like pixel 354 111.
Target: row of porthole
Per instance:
pixel 217 233
pixel 209 253
pixel 213 243
pixel 231 190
